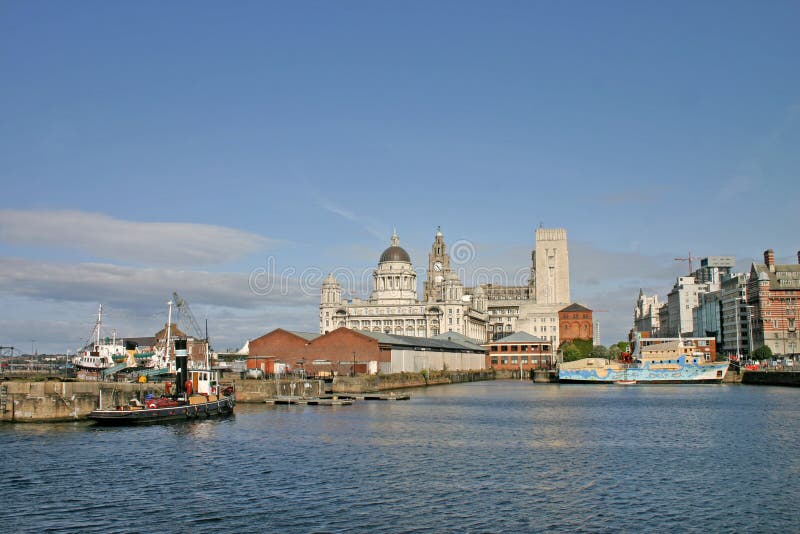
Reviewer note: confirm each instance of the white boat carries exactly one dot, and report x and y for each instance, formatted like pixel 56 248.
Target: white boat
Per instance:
pixel 100 353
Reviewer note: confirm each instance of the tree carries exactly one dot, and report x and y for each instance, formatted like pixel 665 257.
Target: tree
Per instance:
pixel 599 351
pixel 762 353
pixel 570 352
pixel 583 345
pixel 614 351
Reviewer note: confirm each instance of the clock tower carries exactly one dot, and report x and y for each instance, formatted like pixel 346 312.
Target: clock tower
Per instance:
pixel 438 268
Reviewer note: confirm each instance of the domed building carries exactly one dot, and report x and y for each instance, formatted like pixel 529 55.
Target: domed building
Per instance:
pixel 393 306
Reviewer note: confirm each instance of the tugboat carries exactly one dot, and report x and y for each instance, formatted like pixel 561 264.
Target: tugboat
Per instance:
pixel 198 394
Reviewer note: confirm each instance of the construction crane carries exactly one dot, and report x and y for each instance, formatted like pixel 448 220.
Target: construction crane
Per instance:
pixel 689 259
pixel 186 317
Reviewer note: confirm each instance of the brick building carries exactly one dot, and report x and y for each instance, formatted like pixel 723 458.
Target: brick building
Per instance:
pixel 344 349
pixel 519 350
pixel 278 346
pixel 195 348
pixel 575 322
pixel 773 292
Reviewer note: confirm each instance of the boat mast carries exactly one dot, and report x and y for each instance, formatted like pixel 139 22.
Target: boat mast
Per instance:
pixel 169 327
pixel 208 362
pixel 98 325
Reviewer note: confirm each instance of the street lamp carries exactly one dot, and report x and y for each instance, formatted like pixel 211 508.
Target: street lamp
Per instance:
pixel 738 334
pixel 750 330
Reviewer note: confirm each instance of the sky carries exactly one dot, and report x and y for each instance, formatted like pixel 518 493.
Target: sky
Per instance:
pixel 236 152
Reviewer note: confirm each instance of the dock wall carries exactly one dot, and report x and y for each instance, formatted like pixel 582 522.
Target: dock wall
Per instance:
pixel 261 390
pixel 369 383
pixel 22 401
pixel 771 378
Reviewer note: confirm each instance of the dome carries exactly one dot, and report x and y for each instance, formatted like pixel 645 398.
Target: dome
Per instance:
pixel 395 252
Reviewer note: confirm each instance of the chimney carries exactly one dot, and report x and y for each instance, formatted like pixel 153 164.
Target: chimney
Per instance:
pixel 798 256
pixel 769 259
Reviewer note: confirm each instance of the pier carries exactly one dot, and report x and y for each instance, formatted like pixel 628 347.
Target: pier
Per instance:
pixel 338 400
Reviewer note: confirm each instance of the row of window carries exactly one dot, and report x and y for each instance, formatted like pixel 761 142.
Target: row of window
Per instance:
pixel 520 348
pixel 504 360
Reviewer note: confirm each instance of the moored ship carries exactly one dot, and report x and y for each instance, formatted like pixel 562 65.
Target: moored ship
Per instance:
pixel 100 353
pixel 198 393
pixel 668 363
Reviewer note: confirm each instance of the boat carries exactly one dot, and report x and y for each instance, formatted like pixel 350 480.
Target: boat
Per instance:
pixel 674 362
pixel 198 394
pixel 101 353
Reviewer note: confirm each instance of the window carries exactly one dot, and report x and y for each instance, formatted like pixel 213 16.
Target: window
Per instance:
pixel 513 359
pixel 494 348
pixel 514 348
pixel 494 360
pixel 524 359
pixel 524 348
pixel 504 360
pixel 503 348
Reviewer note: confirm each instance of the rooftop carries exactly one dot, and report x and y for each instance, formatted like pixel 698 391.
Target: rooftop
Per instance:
pixel 420 342
pixel 308 336
pixel 521 337
pixel 575 307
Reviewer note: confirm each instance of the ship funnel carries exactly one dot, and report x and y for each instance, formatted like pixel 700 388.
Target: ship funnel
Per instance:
pixel 181 366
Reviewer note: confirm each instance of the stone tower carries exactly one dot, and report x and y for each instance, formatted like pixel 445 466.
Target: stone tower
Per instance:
pixel 394 281
pixel 438 268
pixel 550 272
pixel 330 301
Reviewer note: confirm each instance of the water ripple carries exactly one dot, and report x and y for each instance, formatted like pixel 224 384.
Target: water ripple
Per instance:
pixel 479 457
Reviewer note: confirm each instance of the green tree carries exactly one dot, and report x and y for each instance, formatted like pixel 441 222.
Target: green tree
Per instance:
pixel 599 351
pixel 762 353
pixel 614 351
pixel 584 346
pixel 570 352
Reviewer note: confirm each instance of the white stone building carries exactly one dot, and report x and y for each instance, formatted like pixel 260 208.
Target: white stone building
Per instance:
pixel 533 308
pixel 481 313
pixel 645 315
pixel 680 303
pixel 393 306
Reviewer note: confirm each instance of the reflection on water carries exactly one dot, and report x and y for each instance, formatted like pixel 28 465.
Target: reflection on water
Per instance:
pixel 485 456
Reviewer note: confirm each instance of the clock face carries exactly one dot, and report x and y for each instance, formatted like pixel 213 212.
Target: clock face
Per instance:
pixel 437 266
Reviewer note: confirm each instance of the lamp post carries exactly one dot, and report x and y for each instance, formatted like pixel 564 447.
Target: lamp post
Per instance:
pixel 750 331
pixel 738 333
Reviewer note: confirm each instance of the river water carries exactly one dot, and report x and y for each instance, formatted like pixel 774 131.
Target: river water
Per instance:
pixel 499 456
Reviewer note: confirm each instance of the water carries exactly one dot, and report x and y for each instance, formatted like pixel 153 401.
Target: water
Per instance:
pixel 479 457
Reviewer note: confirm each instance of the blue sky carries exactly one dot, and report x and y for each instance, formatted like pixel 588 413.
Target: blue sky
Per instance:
pixel 149 147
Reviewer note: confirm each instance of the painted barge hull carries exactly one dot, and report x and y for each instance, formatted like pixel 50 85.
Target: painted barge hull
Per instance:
pixel 686 374
pixel 223 406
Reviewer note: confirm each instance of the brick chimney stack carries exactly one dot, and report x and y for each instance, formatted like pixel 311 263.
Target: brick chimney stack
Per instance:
pixel 798 256
pixel 769 259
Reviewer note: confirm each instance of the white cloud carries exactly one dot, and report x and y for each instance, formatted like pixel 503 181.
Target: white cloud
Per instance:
pixel 54 303
pixel 99 282
pixel 153 243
